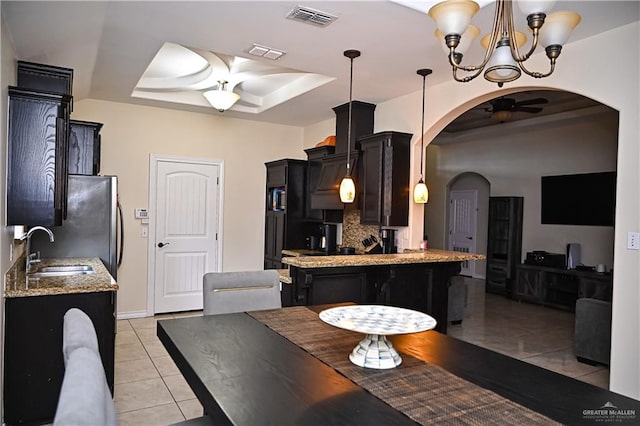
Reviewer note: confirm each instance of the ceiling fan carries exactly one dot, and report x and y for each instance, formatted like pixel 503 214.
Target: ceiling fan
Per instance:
pixel 502 108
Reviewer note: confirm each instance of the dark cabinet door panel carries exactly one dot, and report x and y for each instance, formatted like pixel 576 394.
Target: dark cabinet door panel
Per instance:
pixel 84 148
pixel 36 179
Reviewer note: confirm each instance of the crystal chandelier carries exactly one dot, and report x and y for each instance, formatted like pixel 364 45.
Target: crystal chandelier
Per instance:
pixel 502 61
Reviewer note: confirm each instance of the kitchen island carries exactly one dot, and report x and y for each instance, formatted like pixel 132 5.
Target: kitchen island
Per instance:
pixel 34 313
pixel 414 280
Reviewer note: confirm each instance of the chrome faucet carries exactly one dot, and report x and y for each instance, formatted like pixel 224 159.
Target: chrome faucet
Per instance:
pixel 33 258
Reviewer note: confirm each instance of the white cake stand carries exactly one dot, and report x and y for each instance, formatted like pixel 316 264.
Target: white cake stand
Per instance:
pixel 377 322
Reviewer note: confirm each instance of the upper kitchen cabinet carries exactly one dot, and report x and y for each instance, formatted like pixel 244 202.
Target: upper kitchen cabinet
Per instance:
pixel 284 210
pixel 315 158
pixel 385 179
pixel 84 148
pixel 45 78
pixel 37 157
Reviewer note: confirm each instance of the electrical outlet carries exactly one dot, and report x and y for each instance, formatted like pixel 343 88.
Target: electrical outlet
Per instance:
pixel 633 240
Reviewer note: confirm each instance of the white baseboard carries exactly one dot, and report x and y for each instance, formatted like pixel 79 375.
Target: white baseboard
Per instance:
pixel 131 315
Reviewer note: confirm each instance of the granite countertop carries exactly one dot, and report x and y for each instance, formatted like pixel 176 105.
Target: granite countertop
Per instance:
pixel 101 280
pixel 285 278
pixel 408 257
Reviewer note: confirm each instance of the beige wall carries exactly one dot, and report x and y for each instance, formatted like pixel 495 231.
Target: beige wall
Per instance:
pixel 130 133
pixel 513 158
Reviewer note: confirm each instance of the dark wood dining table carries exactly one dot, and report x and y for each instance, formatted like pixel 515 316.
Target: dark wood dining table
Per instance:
pixel 277 368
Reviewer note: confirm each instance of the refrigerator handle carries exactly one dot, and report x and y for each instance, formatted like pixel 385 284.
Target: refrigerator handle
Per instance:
pixel 121 222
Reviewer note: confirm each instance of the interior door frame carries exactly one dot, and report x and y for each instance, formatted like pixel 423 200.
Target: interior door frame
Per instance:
pixel 154 159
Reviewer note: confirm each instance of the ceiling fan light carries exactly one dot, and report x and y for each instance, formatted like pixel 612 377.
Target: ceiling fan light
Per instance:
pixel 420 193
pixel 453 16
pixel 347 190
pixel 501 116
pixel 530 7
pixel 557 27
pixel 221 100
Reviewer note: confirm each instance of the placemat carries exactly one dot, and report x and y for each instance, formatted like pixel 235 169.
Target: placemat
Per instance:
pixel 426 393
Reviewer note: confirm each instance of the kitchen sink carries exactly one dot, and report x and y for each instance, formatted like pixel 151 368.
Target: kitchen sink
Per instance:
pixel 63 270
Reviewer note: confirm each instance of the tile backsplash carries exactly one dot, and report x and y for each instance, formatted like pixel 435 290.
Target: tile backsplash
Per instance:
pixel 353 232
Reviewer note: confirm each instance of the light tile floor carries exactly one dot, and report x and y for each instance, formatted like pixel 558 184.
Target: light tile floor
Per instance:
pixel 532 333
pixel 149 389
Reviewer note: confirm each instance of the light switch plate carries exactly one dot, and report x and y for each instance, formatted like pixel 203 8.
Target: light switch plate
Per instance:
pixel 633 240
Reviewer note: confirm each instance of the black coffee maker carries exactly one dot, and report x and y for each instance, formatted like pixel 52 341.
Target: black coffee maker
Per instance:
pixel 329 237
pixel 388 240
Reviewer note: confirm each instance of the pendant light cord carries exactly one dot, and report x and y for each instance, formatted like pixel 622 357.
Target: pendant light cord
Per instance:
pixel 424 72
pixel 424 79
pixel 351 54
pixel 349 125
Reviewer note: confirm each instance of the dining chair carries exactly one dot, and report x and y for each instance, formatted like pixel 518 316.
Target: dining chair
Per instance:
pixel 229 292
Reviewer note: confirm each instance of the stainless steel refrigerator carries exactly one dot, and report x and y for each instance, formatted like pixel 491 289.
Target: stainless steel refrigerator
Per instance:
pixel 93 226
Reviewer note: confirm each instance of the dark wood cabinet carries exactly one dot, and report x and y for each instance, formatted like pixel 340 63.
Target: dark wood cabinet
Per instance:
pixel 37 157
pixel 560 288
pixel 362 117
pixel 504 243
pixel 384 193
pixel 315 157
pixel 331 285
pixel 45 78
pixel 422 286
pixel 284 209
pixel 34 365
pixel 84 148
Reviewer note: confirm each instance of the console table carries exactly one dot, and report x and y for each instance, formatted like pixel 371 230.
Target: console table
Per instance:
pixel 560 288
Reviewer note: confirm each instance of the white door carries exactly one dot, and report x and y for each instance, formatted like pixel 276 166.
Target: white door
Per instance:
pixel 184 240
pixel 463 217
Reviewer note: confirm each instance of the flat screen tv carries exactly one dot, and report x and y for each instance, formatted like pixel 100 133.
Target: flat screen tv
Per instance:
pixel 581 199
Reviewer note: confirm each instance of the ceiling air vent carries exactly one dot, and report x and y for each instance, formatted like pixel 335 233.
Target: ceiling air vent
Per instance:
pixel 311 16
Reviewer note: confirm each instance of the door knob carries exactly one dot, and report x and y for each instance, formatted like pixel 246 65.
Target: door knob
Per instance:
pixel 160 245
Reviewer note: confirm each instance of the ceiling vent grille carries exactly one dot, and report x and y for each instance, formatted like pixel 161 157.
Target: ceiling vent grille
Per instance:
pixel 311 16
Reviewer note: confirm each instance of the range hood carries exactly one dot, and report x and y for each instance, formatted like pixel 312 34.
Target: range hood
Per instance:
pixel 326 195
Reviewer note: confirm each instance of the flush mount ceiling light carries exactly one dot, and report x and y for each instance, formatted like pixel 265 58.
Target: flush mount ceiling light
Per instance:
pixel 347 186
pixel 420 192
pixel 221 99
pixel 502 60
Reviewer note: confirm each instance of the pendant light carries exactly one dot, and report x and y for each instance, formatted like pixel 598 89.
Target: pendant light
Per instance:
pixel 420 192
pixel 347 186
